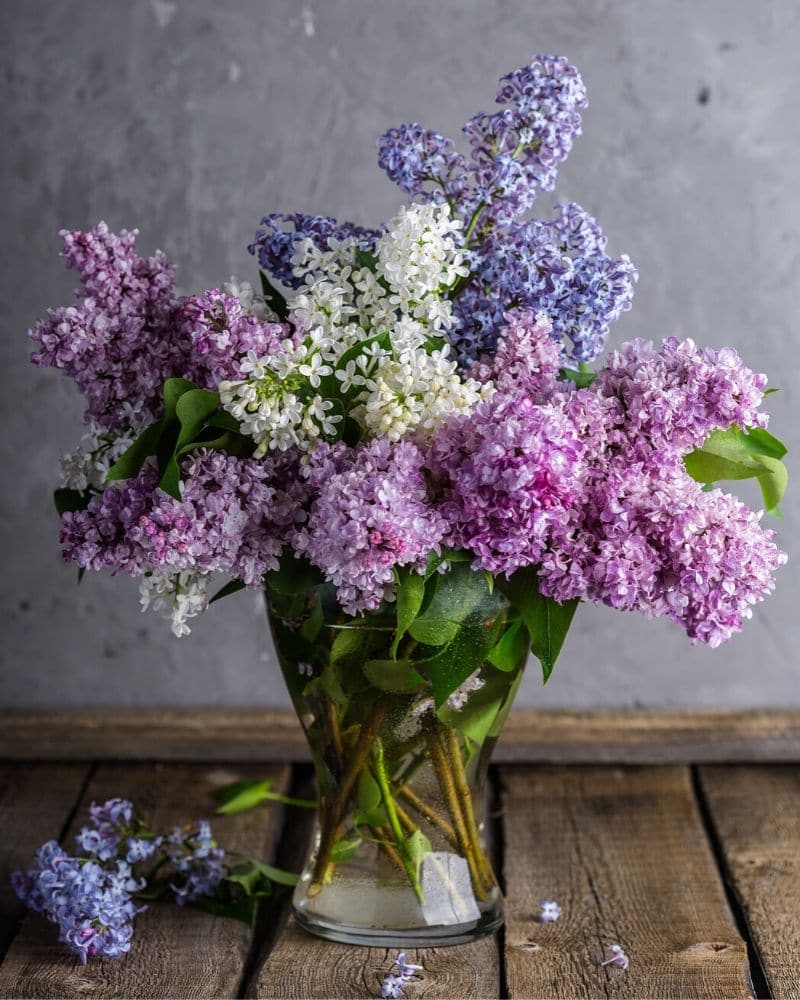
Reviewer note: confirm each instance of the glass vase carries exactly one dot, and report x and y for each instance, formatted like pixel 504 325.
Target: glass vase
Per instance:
pixel 401 743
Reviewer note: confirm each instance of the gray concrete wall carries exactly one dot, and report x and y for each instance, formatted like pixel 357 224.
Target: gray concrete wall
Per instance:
pixel 191 118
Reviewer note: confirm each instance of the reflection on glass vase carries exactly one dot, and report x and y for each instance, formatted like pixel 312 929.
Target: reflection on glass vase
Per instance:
pixel 401 730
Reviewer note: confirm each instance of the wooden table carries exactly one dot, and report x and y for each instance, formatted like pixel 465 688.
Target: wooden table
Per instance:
pixel 675 835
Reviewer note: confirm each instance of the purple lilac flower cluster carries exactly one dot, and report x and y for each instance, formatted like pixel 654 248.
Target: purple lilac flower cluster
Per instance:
pixel 371 513
pixel 229 520
pixel 511 471
pixel 197 863
pixel 120 341
pixel 515 152
pixel 558 266
pixel 222 334
pixel 92 896
pixel 274 244
pixel 91 903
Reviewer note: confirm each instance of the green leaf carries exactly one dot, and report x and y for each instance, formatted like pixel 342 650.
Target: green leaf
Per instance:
pixel 130 462
pixel 329 685
pixel 225 421
pixel 760 442
pixel 478 717
pixel 461 657
pixel 241 908
pixel 370 810
pixel 459 593
pixel 275 300
pixel 348 642
pixel 70 500
pixel 415 847
pixel 232 587
pixel 734 455
pixel 293 576
pixel 396 676
pixel 174 388
pixel 192 409
pixel 256 877
pixel 311 627
pixel 241 796
pixel 344 850
pixel 512 649
pixel 410 593
pixel 546 620
pixel 582 377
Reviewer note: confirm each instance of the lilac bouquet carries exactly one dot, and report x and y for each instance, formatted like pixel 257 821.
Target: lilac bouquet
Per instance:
pixel 400 438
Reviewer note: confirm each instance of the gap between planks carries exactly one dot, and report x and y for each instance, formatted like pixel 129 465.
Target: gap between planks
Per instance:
pixel 755 811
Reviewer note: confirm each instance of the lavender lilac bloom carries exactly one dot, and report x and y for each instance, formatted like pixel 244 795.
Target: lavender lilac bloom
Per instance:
pixel 558 266
pixel 222 523
pixel 395 983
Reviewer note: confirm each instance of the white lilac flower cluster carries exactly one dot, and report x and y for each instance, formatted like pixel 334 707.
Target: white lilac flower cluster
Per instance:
pixel 176 596
pixel 87 466
pixel 368 343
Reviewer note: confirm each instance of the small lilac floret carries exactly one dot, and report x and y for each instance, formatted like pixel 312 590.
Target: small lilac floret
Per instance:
pixel 618 957
pixel 394 983
pixel 551 911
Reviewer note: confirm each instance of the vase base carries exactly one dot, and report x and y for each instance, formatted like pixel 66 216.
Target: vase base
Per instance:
pixel 413 937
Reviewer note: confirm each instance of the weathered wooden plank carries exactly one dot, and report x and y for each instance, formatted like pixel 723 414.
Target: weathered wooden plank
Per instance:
pixel 756 811
pixel 176 952
pixel 35 803
pixel 625 854
pixel 560 737
pixel 301 965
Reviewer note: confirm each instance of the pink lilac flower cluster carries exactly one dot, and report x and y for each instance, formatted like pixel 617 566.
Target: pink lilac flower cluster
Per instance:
pixel 511 472
pixel 643 535
pixel 229 519
pixel 372 512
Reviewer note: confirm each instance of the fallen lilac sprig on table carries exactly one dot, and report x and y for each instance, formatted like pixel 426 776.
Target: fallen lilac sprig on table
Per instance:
pixel 618 958
pixel 95 895
pixel 395 982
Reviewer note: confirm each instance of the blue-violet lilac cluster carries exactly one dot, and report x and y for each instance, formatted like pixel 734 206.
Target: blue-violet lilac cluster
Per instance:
pixel 93 895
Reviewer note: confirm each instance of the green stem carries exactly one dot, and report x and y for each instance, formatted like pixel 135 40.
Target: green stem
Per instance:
pixel 333 808
pixel 446 783
pixel 382 777
pixel 465 797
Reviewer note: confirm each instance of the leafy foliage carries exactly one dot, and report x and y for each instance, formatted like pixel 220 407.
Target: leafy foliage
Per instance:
pixel 735 454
